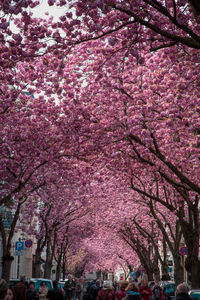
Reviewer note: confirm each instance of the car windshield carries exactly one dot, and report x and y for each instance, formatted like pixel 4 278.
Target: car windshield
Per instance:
pixel 37 284
pixel 195 294
pixel 12 283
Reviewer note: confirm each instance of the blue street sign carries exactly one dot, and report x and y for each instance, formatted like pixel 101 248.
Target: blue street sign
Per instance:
pixel 19 246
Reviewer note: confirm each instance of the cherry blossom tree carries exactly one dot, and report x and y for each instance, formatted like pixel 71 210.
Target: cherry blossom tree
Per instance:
pixel 147 127
pixel 87 91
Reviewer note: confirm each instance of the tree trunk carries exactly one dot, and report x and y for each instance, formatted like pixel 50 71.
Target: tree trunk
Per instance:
pixel 48 263
pixel 164 269
pixel 63 271
pixel 6 243
pixel 47 270
pixel 149 271
pixel 191 232
pixel 58 267
pixel 193 268
pixel 178 269
pixel 157 275
pixel 196 274
pixel 7 261
pixel 130 267
pixel 37 265
pixel 155 261
pixel 150 275
pixel 50 252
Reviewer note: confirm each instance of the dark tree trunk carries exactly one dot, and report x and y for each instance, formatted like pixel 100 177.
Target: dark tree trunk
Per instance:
pixel 64 267
pixel 48 263
pixel 157 274
pixel 164 269
pixel 6 243
pixel 50 251
pixel 191 232
pixel 7 261
pixel 37 262
pixel 178 269
pixel 47 270
pixel 196 274
pixel 37 265
pixel 130 267
pixel 193 268
pixel 58 267
pixel 149 274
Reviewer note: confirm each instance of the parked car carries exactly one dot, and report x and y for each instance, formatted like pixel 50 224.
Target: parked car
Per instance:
pixel 13 281
pixel 37 283
pixel 195 294
pixel 61 284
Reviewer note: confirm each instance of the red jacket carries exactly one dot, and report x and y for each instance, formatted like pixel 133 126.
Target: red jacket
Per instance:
pixel 145 292
pixel 120 295
pixel 106 294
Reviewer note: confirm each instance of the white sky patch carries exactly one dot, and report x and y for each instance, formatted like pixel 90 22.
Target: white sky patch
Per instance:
pixel 55 11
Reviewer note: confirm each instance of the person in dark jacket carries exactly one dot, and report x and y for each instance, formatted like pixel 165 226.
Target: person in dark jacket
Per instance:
pixel 31 294
pixel 132 292
pixel 94 290
pixel 3 288
pixel 20 289
pixel 79 289
pixel 157 292
pixel 69 288
pixel 182 292
pixel 55 293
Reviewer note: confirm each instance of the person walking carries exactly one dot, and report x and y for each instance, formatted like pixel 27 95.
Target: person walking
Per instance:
pixel 3 288
pixel 122 293
pixel 132 292
pixel 107 292
pixel 182 292
pixel 69 288
pixel 157 292
pixel 55 293
pixel 79 289
pixel 145 290
pixel 20 289
pixel 31 294
pixel 43 291
pixel 94 290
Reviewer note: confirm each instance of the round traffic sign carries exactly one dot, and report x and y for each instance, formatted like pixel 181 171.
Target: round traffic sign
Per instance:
pixel 183 250
pixel 28 243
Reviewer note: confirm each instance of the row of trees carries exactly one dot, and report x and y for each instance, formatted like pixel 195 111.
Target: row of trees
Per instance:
pixel 100 110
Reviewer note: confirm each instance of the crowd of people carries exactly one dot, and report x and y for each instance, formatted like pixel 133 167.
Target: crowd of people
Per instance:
pixel 24 291
pixel 131 290
pixel 96 290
